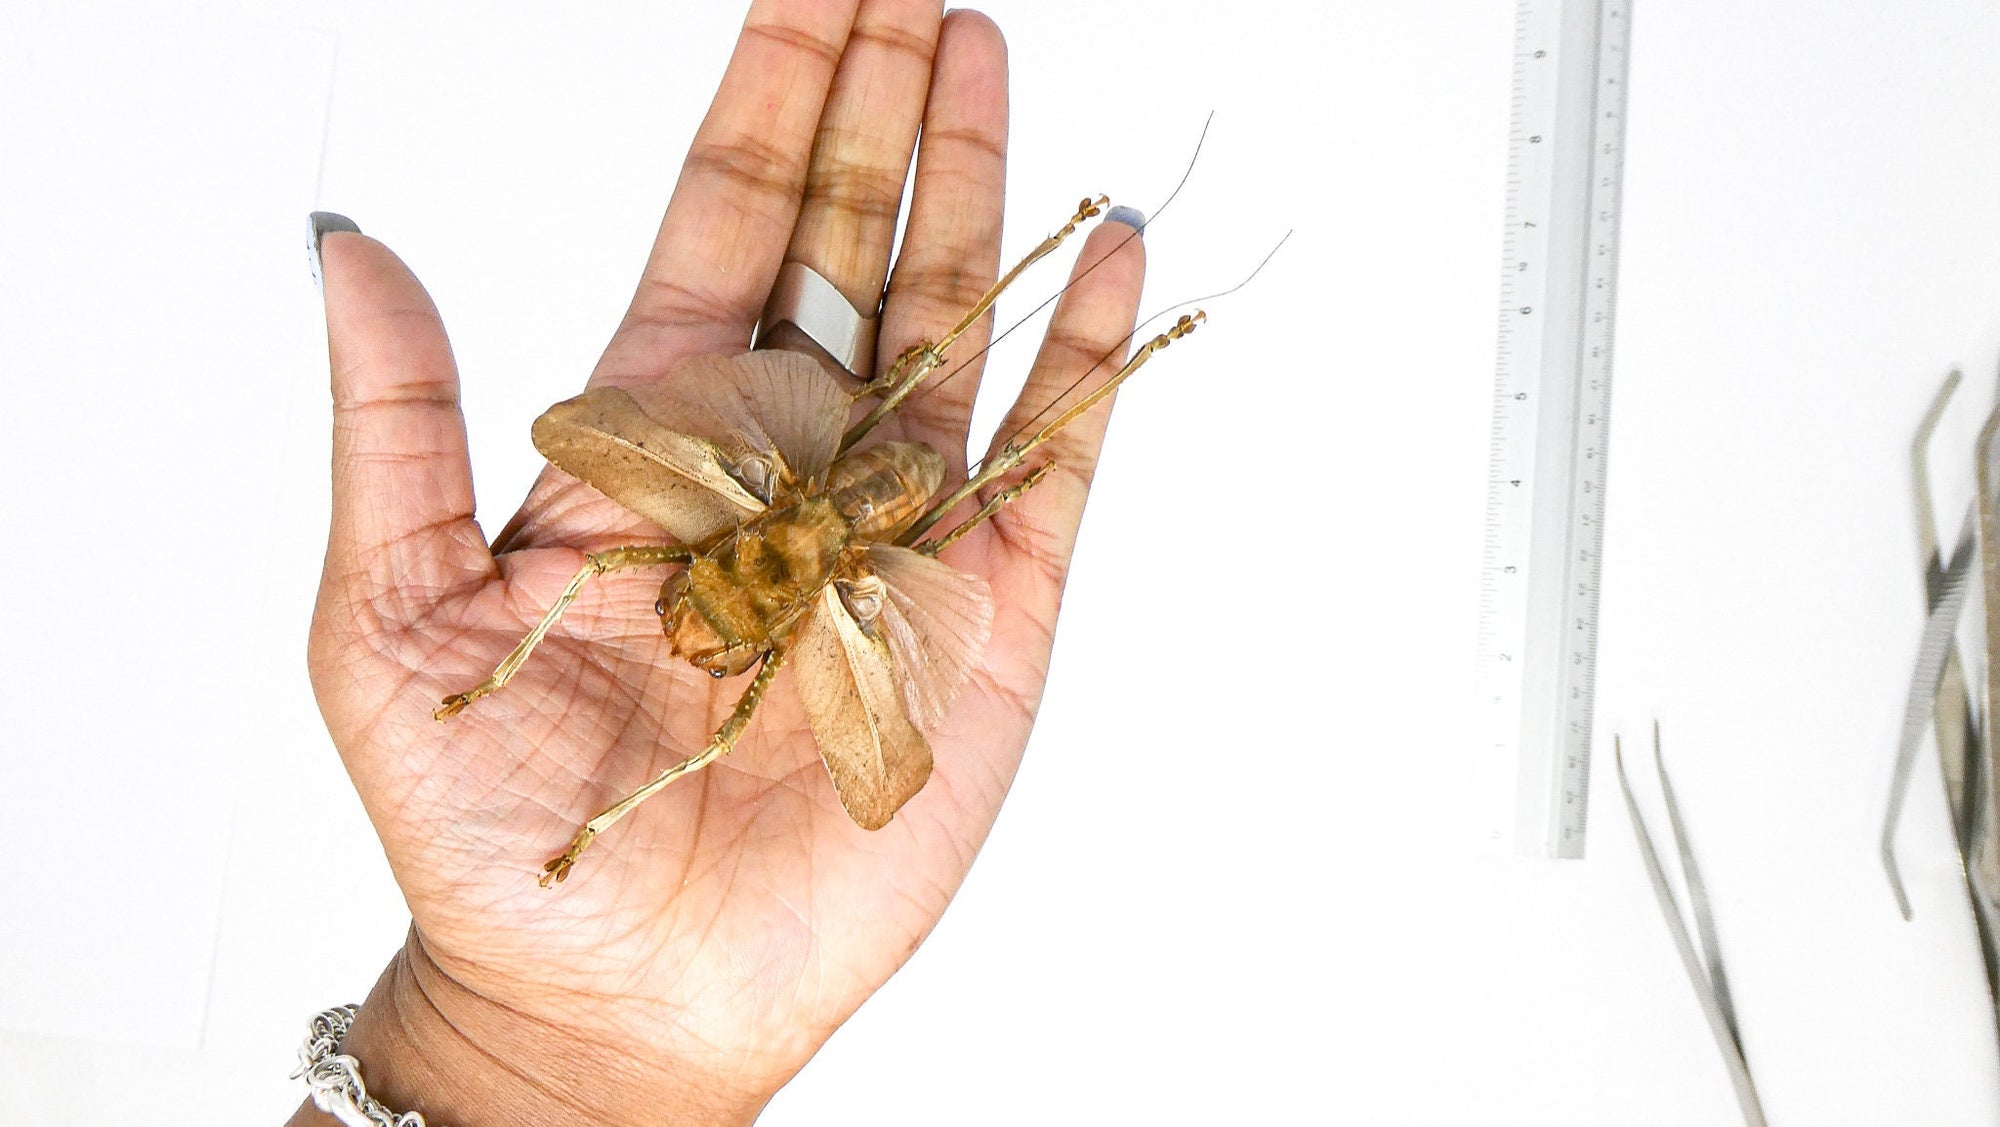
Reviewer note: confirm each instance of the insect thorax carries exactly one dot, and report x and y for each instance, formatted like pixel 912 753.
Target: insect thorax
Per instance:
pixel 734 601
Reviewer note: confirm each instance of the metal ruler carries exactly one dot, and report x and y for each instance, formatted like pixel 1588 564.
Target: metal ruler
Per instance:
pixel 1551 410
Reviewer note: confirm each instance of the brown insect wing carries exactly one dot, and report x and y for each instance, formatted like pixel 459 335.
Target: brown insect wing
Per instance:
pixel 675 480
pixel 936 620
pixel 848 685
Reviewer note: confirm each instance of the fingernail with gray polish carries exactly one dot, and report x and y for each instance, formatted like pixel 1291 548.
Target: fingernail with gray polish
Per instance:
pixel 322 224
pixel 1130 216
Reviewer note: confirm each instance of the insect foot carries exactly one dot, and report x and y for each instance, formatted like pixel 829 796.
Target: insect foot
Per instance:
pixel 555 871
pixel 452 706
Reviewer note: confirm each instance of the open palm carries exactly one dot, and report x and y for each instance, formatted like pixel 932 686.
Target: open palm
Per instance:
pixel 730 924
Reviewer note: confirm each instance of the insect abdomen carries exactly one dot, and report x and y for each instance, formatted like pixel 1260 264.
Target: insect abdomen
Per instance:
pixel 883 488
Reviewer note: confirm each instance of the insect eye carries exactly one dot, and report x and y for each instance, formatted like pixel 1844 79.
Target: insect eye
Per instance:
pixel 717 674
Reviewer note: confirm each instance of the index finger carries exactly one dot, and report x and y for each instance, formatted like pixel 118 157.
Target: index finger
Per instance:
pixel 733 209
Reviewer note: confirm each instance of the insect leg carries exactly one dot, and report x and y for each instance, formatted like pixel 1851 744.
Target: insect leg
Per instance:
pixel 597 563
pixel 999 501
pixel 919 361
pixel 1003 461
pixel 719 745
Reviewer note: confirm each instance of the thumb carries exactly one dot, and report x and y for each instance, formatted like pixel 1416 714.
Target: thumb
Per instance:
pixel 403 533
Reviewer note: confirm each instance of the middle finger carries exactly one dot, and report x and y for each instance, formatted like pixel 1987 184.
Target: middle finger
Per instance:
pixel 861 156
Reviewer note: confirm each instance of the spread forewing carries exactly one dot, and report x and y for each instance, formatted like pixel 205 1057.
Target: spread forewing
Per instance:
pixel 674 479
pixel 847 683
pixel 759 403
pixel 936 621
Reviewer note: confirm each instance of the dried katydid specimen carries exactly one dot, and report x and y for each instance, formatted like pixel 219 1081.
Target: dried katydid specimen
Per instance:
pixel 797 545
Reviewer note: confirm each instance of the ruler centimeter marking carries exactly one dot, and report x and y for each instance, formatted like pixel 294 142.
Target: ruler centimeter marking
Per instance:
pixel 1551 413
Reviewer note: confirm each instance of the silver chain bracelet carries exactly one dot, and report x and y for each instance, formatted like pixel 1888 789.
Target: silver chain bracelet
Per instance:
pixel 334 1078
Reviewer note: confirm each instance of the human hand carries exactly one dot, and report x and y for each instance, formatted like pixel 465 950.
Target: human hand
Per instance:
pixel 708 945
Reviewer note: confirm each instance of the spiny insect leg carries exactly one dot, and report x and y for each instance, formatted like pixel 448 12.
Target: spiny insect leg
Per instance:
pixel 1002 461
pixel 998 501
pixel 597 563
pixel 919 361
pixel 719 745
pixel 897 372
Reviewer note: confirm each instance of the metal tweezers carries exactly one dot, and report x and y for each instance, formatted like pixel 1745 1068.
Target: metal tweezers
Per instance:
pixel 1704 969
pixel 1939 693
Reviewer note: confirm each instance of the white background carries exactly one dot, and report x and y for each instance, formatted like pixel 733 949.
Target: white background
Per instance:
pixel 1233 880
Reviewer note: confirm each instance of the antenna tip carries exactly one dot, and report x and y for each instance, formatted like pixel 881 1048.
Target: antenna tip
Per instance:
pixel 1130 216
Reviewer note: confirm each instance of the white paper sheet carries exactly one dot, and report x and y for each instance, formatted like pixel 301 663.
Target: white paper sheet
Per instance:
pixel 155 183
pixel 1193 911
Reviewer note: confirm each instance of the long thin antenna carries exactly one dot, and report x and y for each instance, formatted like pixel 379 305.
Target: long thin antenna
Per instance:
pixel 1119 348
pixel 932 386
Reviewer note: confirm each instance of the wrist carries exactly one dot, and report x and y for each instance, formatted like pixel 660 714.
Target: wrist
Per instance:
pixel 427 1043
